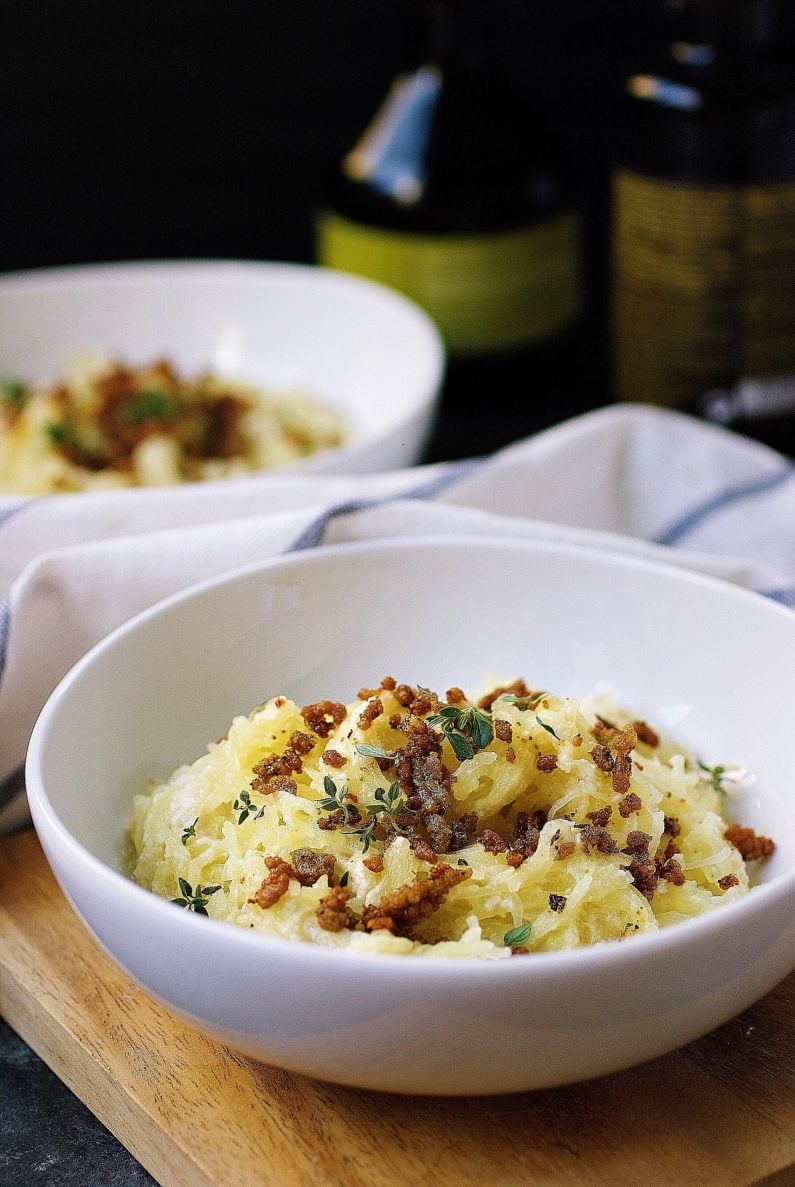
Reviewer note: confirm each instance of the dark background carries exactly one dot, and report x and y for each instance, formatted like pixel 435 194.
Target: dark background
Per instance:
pixel 201 128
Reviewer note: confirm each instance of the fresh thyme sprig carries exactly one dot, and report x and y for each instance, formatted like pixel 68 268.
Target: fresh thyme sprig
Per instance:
pixel 365 832
pixel 467 730
pixel 712 775
pixel 336 800
pixel 244 806
pixel 517 935
pixel 389 803
pixel 189 831
pixel 727 779
pixel 392 804
pixel 195 900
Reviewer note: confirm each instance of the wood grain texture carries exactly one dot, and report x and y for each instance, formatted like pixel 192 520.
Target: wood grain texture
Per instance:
pixel 719 1113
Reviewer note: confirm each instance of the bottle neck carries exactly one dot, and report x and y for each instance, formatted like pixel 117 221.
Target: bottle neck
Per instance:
pixel 450 34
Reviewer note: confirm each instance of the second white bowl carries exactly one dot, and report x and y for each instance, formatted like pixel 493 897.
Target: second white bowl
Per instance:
pixel 362 347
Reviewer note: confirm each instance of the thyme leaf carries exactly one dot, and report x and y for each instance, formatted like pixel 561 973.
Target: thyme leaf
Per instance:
pixel 197 900
pixel 151 404
pixel 392 804
pixel 335 796
pixel 336 800
pixel 714 775
pixel 467 730
pixel 517 935
pixel 389 803
pixel 447 712
pixel 369 750
pixel 480 729
pixel 548 728
pixel 189 831
pixel 365 832
pixel 244 806
pixel 462 747
pixel 526 702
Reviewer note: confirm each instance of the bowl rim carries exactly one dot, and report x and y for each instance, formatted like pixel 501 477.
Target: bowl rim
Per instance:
pixel 133 273
pixel 227 269
pixel 650 945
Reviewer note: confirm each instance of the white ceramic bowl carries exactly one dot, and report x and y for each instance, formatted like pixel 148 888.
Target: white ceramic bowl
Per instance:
pixel 435 611
pixel 364 348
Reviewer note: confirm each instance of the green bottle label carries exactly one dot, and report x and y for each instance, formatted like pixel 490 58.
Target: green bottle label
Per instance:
pixel 486 292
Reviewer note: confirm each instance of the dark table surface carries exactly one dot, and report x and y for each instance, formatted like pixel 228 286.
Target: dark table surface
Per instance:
pixel 48 1138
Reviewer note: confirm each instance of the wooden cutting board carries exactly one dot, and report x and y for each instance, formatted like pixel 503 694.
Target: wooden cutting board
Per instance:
pixel 720 1113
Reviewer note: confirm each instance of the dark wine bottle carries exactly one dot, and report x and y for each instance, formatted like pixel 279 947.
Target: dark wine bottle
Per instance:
pixel 703 255
pixel 455 195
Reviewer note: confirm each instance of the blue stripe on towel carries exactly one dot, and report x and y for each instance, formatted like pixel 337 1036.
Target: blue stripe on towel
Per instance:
pixel 5 624
pixel 785 596
pixel 726 498
pixel 313 534
pixel 11 512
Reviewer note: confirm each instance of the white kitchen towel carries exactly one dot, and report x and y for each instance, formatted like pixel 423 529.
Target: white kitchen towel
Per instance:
pixel 626 478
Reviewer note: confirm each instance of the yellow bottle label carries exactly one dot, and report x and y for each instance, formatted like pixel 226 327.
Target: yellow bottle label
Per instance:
pixel 703 285
pixel 486 292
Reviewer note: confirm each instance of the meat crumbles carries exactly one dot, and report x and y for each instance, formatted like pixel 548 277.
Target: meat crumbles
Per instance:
pixel 323 716
pixel 750 845
pixel 629 804
pixel 300 742
pixel 333 758
pixel 594 837
pixel 370 713
pixel 402 910
pixel 274 765
pixel 646 734
pixel 277 784
pixel 309 866
pixel 333 912
pixel 276 883
pixel 503 730
pixel 601 816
